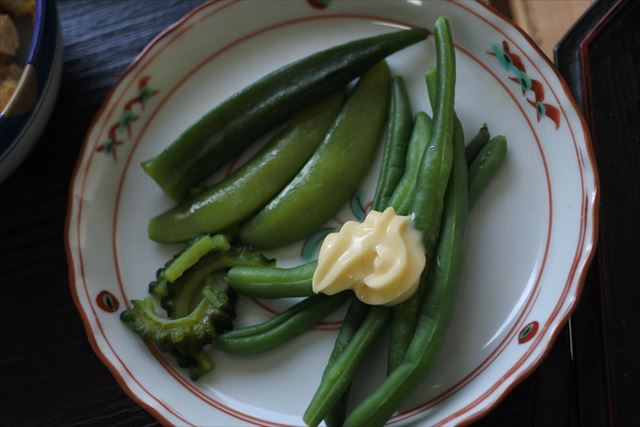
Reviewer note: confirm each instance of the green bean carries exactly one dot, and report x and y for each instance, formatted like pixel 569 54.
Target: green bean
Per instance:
pixel 350 325
pixel 405 314
pixel 475 145
pixel 398 131
pixel 402 198
pixel 478 141
pixel 435 310
pixel 431 80
pixel 271 282
pixel 399 336
pixel 259 328
pixel 484 156
pixel 485 166
pixel 435 166
pixel 337 377
pixel 431 185
pixel 269 338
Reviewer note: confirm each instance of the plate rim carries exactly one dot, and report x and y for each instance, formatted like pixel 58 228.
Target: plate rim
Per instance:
pixel 581 269
pixel 593 204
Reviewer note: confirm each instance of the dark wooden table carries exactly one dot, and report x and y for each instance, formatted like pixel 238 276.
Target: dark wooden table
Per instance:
pixel 50 376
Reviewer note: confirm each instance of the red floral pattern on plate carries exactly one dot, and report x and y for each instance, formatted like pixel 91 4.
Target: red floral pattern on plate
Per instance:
pixel 115 135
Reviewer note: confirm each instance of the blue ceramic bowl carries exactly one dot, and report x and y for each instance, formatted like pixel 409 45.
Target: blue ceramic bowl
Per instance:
pixel 26 114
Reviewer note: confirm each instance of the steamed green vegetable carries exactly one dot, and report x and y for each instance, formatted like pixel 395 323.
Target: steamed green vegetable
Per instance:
pixel 292 187
pixel 272 282
pixel 251 187
pixel 261 338
pixel 232 125
pixel 435 166
pixel 336 413
pixel 338 374
pixel 397 134
pixel 431 183
pixel 475 145
pixel 334 171
pixel 402 198
pixel 435 309
pixel 351 324
pixel 195 249
pixel 485 166
pixel 261 328
pixel 183 294
pixel 196 297
pixel 187 335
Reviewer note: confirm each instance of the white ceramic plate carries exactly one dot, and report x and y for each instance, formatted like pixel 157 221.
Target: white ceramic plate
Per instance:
pixel 529 239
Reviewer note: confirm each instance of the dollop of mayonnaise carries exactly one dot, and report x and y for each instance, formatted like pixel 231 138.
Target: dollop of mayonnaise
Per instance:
pixel 381 259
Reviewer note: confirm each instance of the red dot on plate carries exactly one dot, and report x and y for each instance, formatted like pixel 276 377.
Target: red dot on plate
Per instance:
pixel 528 332
pixel 107 302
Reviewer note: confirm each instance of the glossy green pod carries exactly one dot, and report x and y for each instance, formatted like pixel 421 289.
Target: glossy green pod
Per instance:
pixel 228 128
pixel 334 171
pixel 253 185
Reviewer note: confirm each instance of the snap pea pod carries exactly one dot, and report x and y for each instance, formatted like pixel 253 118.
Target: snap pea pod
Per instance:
pixel 402 198
pixel 337 377
pixel 269 338
pixel 248 189
pixel 431 184
pixel 475 145
pixel 229 127
pixel 334 171
pixel 356 314
pixel 485 166
pixel 435 310
pixel 271 282
pixel 398 132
